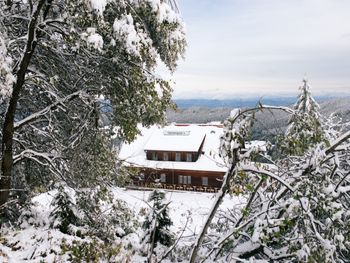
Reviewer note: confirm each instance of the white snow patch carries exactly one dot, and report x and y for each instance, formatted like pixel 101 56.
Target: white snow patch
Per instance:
pixel 98 5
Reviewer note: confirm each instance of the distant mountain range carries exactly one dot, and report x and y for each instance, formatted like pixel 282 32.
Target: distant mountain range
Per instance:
pixel 241 102
pixel 268 123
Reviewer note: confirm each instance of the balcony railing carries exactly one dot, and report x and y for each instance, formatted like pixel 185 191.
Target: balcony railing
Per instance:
pixel 180 187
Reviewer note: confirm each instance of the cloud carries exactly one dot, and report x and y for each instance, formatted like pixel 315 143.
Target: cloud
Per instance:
pixel 259 46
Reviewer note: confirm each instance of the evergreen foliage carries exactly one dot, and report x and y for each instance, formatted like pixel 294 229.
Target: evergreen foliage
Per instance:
pixel 93 161
pixel 297 208
pixel 305 126
pixel 104 216
pixel 64 211
pixel 77 54
pixel 158 222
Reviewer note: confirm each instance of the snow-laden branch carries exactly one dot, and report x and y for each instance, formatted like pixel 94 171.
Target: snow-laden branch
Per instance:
pixel 218 200
pixel 13 190
pixel 341 181
pixel 337 142
pixel 282 108
pixel 247 206
pixel 42 112
pixel 239 227
pixel 260 107
pixel 28 153
pixel 255 169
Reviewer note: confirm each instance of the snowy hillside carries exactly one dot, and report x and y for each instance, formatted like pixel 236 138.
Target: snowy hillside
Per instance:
pixel 37 242
pixel 268 122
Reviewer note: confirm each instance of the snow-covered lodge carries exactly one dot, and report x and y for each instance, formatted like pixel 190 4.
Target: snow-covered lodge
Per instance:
pixel 179 156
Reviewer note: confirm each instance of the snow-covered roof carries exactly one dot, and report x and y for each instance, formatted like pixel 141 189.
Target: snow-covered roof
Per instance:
pixel 181 138
pixel 176 138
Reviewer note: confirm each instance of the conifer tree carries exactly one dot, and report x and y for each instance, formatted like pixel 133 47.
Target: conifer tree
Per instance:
pixel 305 126
pixel 63 213
pixel 157 223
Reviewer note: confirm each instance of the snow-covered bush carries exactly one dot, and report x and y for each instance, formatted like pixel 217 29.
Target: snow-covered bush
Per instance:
pixel 64 212
pixel 94 251
pixel 103 215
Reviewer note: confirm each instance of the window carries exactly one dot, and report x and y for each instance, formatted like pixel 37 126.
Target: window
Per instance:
pixel 185 179
pixel 162 178
pixel 189 157
pixel 204 180
pixel 178 157
pixel 165 157
pixel 154 156
pixel 142 176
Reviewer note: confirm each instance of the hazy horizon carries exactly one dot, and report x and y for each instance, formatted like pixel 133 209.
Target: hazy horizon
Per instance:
pixel 264 48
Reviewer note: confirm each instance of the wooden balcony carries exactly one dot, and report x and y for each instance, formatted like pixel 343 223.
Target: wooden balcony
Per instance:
pixel 179 187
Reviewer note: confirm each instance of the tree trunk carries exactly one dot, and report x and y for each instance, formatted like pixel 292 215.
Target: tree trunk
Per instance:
pixel 153 237
pixel 8 128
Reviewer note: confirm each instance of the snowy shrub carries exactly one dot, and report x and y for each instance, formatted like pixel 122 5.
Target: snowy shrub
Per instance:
pixel 104 216
pixel 64 212
pixel 94 251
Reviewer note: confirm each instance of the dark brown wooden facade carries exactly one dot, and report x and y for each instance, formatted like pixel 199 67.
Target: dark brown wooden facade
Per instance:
pixel 176 178
pixel 172 155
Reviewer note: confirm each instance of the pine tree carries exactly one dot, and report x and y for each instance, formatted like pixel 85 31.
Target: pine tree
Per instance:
pixel 157 223
pixel 305 126
pixel 63 213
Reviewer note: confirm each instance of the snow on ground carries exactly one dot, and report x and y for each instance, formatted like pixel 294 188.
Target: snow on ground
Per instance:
pixel 197 203
pixel 36 241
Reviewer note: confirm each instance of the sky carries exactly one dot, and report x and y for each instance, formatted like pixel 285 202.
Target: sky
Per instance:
pixel 249 48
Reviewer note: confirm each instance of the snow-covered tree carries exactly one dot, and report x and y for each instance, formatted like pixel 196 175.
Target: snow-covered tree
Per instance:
pixel 305 127
pixel 60 58
pixel 103 216
pixel 93 161
pixel 63 212
pixel 296 210
pixel 157 223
